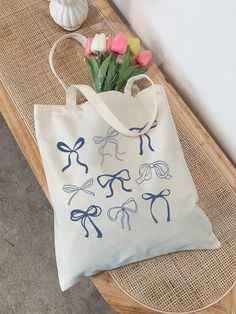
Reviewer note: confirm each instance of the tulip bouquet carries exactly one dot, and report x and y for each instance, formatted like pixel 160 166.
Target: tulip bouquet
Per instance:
pixel 112 61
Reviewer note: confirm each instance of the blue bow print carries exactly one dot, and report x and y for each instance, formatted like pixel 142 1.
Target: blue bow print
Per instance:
pixel 160 167
pixel 109 138
pixel 146 135
pixel 130 206
pixel 108 179
pixel 153 197
pixel 83 216
pixel 66 149
pixel 68 188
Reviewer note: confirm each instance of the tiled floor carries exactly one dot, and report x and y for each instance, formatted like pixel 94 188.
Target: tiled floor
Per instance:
pixel 28 275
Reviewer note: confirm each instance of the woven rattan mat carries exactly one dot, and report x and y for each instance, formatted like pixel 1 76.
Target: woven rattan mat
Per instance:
pixel 177 282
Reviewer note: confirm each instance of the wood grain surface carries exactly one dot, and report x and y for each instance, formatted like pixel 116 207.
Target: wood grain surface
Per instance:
pixel 103 281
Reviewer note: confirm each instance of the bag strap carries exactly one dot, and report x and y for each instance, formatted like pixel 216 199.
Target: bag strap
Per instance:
pixel 80 38
pixel 102 109
pixel 94 98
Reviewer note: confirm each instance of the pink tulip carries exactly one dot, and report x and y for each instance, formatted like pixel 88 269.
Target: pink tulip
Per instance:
pixel 144 58
pixel 108 43
pixel 119 44
pixel 88 51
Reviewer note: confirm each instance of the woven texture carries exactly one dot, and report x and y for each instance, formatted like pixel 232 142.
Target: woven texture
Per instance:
pixel 177 282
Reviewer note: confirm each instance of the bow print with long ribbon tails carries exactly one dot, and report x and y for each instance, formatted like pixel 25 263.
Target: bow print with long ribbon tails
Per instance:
pixel 108 179
pixel 153 197
pixel 104 140
pixel 160 168
pixel 86 216
pixel 69 188
pixel 146 135
pixel 130 206
pixel 66 149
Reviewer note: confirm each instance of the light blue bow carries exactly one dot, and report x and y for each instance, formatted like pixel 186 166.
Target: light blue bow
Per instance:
pixel 130 206
pixel 160 167
pixel 68 188
pixel 109 138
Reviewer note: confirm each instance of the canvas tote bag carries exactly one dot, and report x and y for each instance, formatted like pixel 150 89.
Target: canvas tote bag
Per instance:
pixel 119 185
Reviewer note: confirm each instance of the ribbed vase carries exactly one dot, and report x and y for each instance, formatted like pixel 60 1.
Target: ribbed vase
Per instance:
pixel 69 14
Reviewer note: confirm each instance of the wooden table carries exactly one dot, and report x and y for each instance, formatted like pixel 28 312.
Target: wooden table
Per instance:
pixel 103 281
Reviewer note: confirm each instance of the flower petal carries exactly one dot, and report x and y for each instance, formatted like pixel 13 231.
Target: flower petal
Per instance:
pixel 88 52
pixel 102 43
pixel 119 44
pixel 95 44
pixel 144 58
pixel 134 44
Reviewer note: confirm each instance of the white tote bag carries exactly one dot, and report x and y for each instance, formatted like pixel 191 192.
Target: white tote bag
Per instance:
pixel 119 184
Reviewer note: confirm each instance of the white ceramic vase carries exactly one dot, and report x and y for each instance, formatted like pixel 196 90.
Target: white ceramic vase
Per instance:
pixel 69 14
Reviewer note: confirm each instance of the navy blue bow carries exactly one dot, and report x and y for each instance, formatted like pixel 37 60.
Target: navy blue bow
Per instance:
pixel 83 216
pixel 108 179
pixel 146 135
pixel 154 197
pixel 130 206
pixel 66 149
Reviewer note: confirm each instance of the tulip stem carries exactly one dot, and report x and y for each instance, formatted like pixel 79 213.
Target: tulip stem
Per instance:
pixel 99 59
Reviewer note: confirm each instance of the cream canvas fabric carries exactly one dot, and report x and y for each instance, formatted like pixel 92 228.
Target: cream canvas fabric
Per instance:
pixel 119 184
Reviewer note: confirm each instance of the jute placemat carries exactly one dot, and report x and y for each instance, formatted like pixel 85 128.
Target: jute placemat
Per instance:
pixel 179 282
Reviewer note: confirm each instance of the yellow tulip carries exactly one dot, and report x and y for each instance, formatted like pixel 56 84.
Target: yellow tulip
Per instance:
pixel 134 44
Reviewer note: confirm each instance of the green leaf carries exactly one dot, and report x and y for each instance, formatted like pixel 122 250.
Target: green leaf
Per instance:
pixel 122 70
pixel 133 70
pixel 102 73
pixel 124 77
pixel 93 69
pixel 126 61
pixel 99 59
pixel 112 74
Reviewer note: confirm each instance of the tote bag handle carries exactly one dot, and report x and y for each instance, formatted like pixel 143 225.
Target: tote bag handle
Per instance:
pixel 80 38
pixel 94 98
